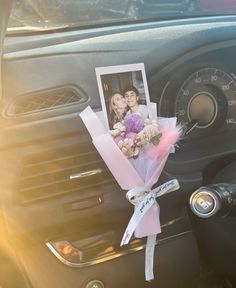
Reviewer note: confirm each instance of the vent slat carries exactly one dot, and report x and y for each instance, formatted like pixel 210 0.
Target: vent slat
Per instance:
pixel 51 180
pixel 65 158
pixel 59 164
pixel 56 190
pixel 71 170
pixel 32 197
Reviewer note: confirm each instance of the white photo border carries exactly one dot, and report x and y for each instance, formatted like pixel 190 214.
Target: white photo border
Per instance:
pixel 100 71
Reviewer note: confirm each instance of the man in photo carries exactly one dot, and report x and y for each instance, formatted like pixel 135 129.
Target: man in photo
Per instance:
pixel 131 95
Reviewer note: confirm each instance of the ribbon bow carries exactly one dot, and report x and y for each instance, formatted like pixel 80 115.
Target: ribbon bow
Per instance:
pixel 143 199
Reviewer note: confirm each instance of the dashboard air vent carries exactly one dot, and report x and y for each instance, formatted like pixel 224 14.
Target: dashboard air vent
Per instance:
pixel 48 174
pixel 47 99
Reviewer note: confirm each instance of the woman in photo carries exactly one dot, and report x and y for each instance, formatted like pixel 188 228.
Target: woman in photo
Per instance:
pixel 131 96
pixel 117 108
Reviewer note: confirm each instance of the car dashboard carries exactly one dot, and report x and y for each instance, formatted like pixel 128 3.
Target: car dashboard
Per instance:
pixel 189 66
pixel 48 79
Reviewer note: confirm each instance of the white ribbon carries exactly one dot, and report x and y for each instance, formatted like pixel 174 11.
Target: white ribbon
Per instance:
pixel 143 199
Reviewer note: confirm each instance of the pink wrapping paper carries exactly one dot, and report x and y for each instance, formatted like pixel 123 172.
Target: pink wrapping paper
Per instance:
pixel 143 171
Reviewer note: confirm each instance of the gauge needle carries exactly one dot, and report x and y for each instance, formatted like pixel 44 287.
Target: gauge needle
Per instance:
pixel 191 125
pixel 231 122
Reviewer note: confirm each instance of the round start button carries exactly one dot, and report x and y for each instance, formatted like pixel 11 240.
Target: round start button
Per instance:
pixel 95 284
pixel 204 203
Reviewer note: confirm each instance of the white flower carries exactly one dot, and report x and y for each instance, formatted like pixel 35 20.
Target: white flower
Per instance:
pixel 118 129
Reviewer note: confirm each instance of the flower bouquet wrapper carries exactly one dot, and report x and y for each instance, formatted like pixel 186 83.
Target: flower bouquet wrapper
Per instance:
pixel 138 177
pixel 150 168
pixel 122 170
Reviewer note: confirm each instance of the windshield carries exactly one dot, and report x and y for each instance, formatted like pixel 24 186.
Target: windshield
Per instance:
pixel 51 14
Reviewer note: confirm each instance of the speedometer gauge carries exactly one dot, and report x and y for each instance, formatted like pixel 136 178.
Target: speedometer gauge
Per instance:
pixel 208 99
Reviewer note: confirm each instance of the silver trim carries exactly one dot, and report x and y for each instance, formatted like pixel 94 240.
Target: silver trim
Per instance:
pixel 110 257
pixel 161 98
pixel 85 174
pixel 198 193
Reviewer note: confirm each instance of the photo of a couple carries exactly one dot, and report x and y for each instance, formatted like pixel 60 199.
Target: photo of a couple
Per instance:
pixel 123 91
pixel 125 103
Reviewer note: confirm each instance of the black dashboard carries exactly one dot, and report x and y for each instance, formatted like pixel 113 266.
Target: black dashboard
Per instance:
pixel 190 71
pixel 49 78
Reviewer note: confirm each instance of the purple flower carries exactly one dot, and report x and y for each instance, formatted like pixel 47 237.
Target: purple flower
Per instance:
pixel 118 138
pixel 133 123
pixel 131 135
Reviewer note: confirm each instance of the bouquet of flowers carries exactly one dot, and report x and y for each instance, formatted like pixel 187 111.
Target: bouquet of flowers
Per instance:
pixel 133 133
pixel 135 151
pixel 134 145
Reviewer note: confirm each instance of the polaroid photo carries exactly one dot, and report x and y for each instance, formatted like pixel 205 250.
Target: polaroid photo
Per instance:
pixel 123 90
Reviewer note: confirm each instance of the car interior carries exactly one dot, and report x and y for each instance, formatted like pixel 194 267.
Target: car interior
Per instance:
pixel 62 212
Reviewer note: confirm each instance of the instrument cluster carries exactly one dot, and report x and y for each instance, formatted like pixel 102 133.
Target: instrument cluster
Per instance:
pixel 204 101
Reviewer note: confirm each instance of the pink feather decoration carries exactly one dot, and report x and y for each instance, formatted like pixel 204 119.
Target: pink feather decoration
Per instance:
pixel 169 137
